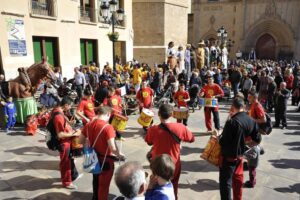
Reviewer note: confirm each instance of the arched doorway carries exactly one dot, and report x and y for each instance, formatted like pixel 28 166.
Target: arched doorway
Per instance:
pixel 266 47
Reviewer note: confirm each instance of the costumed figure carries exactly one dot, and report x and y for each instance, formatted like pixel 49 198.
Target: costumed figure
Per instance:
pixel 171 56
pixel 224 56
pixel 213 53
pixel 180 59
pixel 207 53
pixel 200 53
pixel 25 85
pixel 10 114
pixel 210 92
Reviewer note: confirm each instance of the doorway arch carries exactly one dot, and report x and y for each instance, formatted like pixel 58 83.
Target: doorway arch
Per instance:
pixel 266 47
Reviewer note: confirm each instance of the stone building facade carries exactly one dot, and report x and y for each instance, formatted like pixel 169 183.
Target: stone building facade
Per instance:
pixel 155 24
pixel 68 32
pixel 272 27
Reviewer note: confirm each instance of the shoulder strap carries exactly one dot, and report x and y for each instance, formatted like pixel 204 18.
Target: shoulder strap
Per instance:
pixel 100 132
pixel 174 136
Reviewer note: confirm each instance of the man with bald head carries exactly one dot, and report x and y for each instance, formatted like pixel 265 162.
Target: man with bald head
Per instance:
pixel 131 181
pixel 282 97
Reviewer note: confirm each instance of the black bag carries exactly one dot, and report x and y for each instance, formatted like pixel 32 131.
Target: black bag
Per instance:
pixel 266 128
pixel 51 137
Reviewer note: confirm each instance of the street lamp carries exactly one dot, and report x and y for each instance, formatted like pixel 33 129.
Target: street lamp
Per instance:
pixel 117 15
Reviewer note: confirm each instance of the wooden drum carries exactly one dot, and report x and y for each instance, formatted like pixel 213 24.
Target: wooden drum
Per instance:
pixel 212 152
pixel 76 147
pixel 181 113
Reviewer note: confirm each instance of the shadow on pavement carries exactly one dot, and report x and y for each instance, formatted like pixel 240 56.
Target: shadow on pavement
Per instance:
pixel 33 151
pixel 30 183
pixel 296 146
pixel 201 185
pixel 290 189
pixel 198 166
pixel 12 166
pixel 293 133
pixel 286 163
pixel 62 196
pixel 190 150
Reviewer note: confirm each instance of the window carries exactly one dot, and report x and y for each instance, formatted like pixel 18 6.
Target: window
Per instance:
pixel 88 51
pixel 43 7
pixel 46 47
pixel 87 11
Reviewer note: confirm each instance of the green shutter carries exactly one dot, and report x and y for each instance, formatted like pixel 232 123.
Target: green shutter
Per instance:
pixel 90 51
pixel 82 52
pixel 37 50
pixel 49 45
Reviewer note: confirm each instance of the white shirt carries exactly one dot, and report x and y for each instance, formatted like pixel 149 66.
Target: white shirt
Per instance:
pixel 79 79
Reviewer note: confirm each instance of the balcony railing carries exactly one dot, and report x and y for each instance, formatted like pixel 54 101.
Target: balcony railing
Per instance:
pixel 44 7
pixel 87 14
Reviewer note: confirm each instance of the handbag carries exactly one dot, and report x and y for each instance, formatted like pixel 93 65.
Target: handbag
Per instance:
pixel 91 163
pixel 212 152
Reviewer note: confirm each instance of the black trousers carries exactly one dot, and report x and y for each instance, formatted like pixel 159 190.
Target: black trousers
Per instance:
pixel 280 116
pixel 79 90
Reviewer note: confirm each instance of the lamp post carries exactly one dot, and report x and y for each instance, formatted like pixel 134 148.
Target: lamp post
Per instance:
pixel 112 16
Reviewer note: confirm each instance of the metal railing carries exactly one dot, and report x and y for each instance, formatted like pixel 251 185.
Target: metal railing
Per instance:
pixel 44 7
pixel 87 14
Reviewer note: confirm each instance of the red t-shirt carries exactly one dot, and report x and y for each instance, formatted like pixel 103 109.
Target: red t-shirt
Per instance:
pixel 256 111
pixel 210 91
pixel 60 125
pixel 87 107
pixel 92 129
pixel 289 81
pixel 180 96
pixel 115 103
pixel 145 96
pixel 164 143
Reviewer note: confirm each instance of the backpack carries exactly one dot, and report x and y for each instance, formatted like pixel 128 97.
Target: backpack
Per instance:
pixel 52 141
pixel 266 128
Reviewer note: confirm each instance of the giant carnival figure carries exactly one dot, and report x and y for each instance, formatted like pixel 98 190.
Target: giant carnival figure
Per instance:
pixel 25 85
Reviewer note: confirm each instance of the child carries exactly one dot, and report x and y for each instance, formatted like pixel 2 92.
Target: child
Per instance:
pixel 160 186
pixel 252 156
pixel 10 114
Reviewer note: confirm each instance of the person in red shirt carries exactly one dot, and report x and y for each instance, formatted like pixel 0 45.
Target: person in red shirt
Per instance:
pixel 85 109
pixel 145 96
pixel 115 102
pixel 256 110
pixel 164 142
pixel 106 150
pixel 65 133
pixel 211 90
pixel 181 97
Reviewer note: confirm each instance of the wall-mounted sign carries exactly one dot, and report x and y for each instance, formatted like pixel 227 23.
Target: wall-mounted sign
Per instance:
pixel 16 37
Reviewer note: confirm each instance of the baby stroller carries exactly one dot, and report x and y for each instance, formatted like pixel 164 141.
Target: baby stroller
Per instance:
pixel 164 97
pixel 194 99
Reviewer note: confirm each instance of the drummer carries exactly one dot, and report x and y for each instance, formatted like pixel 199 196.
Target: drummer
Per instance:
pixel 181 97
pixel 115 102
pixel 145 97
pixel 211 90
pixel 85 109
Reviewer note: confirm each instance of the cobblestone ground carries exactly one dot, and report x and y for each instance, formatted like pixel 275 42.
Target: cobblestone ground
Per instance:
pixel 28 170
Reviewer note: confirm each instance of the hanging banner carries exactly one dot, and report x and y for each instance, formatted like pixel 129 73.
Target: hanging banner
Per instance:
pixel 16 37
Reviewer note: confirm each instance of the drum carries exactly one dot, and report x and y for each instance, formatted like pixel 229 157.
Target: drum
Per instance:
pixel 208 102
pixel 76 147
pixel 119 122
pixel 212 152
pixel 146 117
pixel 181 113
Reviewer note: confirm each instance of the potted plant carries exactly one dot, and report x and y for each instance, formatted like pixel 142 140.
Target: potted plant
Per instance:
pixel 113 36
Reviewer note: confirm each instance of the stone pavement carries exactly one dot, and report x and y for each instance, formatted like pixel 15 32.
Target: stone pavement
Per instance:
pixel 28 170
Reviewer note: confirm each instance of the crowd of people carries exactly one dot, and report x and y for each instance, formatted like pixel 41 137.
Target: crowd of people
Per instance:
pixel 256 87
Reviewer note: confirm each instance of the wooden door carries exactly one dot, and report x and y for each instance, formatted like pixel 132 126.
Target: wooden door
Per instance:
pixel 266 47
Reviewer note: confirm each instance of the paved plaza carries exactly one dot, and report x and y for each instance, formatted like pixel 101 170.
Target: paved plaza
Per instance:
pixel 28 170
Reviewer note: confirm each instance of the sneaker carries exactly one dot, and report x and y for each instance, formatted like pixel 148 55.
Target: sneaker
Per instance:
pixel 248 184
pixel 78 177
pixel 283 128
pixel 71 187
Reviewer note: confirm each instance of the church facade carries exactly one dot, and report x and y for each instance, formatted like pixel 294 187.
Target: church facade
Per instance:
pixel 271 27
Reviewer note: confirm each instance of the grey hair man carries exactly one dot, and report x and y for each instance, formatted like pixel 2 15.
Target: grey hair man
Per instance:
pixel 131 180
